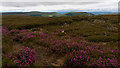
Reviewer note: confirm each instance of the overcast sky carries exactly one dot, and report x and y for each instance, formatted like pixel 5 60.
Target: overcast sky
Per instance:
pixel 61 5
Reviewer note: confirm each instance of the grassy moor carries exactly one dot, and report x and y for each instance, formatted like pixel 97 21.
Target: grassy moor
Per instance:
pixel 52 39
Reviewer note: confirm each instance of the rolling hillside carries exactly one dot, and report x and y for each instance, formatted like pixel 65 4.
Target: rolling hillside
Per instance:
pixel 77 13
pixel 47 14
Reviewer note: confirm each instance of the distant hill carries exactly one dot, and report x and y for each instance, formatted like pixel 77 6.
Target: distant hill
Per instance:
pixel 77 13
pixel 102 13
pixel 47 14
pixel 13 13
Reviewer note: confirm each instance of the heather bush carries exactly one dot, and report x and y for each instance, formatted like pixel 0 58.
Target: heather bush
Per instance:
pixel 61 46
pixel 23 56
pixel 24 37
pixel 5 32
pixel 78 58
pixel 106 62
pixel 14 31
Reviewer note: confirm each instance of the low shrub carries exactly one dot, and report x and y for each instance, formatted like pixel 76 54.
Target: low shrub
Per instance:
pixel 23 56
pixel 109 62
pixel 78 58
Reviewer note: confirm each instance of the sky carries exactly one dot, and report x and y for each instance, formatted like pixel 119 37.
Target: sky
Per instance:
pixel 59 5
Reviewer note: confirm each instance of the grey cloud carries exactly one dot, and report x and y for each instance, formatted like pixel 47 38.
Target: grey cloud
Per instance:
pixel 119 6
pixel 28 4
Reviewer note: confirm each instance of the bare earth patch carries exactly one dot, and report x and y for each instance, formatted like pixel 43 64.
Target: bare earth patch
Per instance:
pixel 46 58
